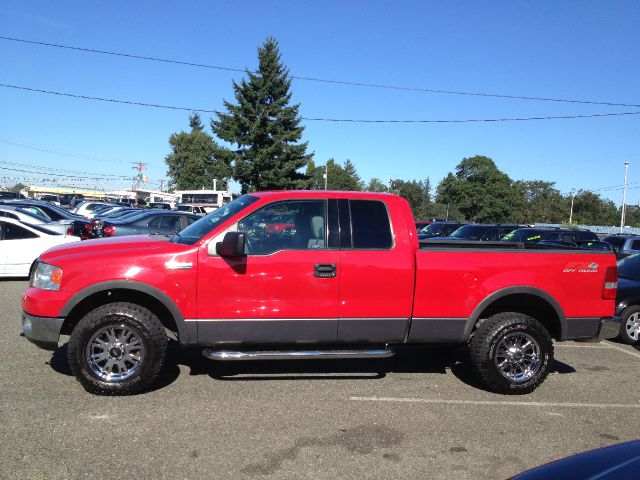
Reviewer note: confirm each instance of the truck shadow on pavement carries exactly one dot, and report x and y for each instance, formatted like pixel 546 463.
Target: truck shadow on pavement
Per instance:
pixel 438 359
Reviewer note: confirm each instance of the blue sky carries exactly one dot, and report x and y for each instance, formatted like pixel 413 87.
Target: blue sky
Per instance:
pixel 573 49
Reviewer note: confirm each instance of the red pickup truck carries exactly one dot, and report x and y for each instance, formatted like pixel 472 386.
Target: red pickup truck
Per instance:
pixel 346 279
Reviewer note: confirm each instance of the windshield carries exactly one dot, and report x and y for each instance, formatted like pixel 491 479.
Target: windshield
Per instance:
pixel 433 229
pixel 629 267
pixel 199 229
pixel 470 232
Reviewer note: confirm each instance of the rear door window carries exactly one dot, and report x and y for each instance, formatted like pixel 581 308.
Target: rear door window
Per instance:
pixel 370 226
pixel 15 232
pixel 635 245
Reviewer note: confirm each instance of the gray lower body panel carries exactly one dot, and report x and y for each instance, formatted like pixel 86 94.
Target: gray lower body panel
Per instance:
pixel 42 331
pixel 582 328
pixel 437 330
pixel 267 331
pixel 372 330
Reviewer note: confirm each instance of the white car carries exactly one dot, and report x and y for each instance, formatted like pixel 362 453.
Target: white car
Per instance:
pixel 88 209
pixel 31 215
pixel 21 245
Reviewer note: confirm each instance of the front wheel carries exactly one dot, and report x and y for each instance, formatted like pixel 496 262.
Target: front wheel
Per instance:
pixel 630 328
pixel 512 353
pixel 117 349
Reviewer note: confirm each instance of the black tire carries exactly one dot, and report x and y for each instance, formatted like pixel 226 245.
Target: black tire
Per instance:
pixel 487 339
pixel 624 336
pixel 145 329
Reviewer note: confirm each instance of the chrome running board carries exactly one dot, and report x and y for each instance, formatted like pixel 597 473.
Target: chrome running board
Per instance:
pixel 226 355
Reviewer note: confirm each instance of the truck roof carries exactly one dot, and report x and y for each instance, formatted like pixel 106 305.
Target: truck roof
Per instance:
pixel 287 194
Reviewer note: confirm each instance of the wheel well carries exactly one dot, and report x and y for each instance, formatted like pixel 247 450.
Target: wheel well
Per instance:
pixel 527 304
pixel 104 297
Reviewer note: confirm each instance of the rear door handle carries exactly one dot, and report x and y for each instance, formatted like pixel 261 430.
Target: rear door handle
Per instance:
pixel 324 270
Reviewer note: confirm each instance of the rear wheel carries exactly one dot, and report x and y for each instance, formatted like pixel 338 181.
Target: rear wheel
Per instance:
pixel 630 327
pixel 117 349
pixel 512 353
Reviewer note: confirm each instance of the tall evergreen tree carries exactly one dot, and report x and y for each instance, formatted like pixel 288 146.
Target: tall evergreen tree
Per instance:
pixel 195 159
pixel 264 127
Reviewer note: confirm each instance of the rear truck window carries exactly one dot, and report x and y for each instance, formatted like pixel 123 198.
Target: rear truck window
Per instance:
pixel 370 225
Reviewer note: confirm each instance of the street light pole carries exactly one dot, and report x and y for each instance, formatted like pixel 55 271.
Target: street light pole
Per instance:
pixel 573 194
pixel 326 175
pixel 624 197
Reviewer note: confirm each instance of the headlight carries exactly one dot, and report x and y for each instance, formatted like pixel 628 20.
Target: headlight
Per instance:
pixel 46 277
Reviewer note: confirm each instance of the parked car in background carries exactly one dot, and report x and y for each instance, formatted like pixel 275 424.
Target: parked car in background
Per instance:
pixel 628 299
pixel 5 195
pixel 153 222
pixel 159 205
pixel 537 234
pixel 31 216
pixel 81 227
pixel 481 231
pixel 88 209
pixel 54 199
pixel 70 200
pixel 21 245
pixel 615 462
pixel 439 229
pixel 196 210
pixel 624 245
pixel 420 224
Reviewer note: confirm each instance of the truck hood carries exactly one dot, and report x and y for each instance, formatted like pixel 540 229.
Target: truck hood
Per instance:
pixel 129 246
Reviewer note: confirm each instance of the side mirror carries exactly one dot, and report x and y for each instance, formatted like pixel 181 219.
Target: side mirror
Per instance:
pixel 232 245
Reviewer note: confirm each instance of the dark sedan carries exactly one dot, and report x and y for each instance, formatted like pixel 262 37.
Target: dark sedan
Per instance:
pixel 616 462
pixel 484 232
pixel 628 299
pixel 438 229
pixel 153 222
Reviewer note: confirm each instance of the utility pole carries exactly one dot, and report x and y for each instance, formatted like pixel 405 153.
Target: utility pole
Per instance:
pixel 161 183
pixel 573 194
pixel 624 197
pixel 215 184
pixel 326 175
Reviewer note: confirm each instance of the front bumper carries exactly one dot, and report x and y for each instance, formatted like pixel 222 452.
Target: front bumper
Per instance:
pixel 42 331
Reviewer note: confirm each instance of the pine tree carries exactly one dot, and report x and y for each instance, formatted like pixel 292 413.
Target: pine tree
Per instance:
pixel 195 159
pixel 264 127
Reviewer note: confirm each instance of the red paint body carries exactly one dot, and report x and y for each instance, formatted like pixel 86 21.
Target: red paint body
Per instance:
pixel 402 282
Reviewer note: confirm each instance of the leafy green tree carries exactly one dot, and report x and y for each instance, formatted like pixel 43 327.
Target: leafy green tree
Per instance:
pixel 590 209
pixel 376 185
pixel 264 127
pixel 195 159
pixel 338 177
pixel 415 192
pixel 480 191
pixel 540 202
pixel 631 216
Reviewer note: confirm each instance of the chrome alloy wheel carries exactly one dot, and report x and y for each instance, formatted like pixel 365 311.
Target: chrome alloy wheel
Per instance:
pixel 115 353
pixel 518 357
pixel 632 326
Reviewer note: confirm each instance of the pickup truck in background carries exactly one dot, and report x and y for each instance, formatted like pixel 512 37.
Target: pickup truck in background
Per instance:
pixel 346 278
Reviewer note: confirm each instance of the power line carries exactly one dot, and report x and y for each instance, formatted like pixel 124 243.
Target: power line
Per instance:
pixel 52 169
pixel 324 119
pixel 57 174
pixel 33 146
pixel 323 80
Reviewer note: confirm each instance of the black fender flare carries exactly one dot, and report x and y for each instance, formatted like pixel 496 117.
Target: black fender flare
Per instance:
pixel 527 290
pixel 186 335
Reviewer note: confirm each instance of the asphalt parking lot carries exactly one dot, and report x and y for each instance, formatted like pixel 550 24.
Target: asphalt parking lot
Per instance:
pixel 417 415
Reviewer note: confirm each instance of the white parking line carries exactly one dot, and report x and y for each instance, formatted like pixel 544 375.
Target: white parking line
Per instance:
pixel 495 403
pixel 620 349
pixel 577 345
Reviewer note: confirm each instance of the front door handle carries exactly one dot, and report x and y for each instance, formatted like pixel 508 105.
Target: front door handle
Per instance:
pixel 324 270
